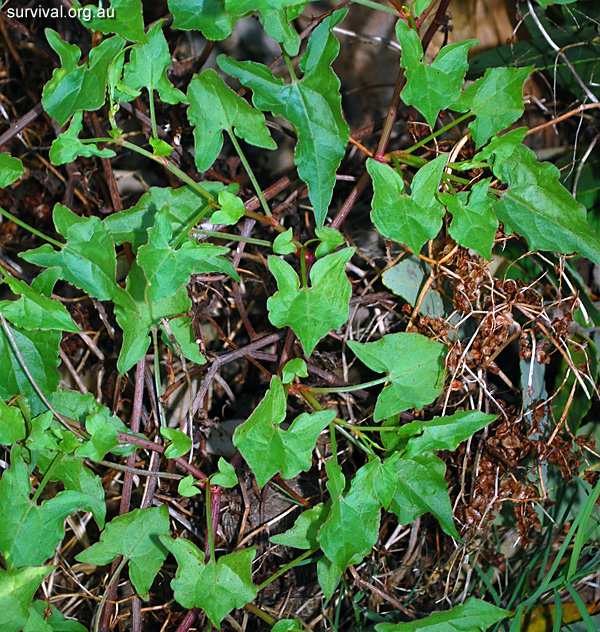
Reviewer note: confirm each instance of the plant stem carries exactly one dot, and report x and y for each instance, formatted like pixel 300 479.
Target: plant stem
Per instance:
pixel 116 574
pixel 29 228
pixel 152 114
pixel 260 613
pixel 303 267
pixel 250 173
pixel 450 125
pixel 209 526
pixel 55 463
pixel 348 389
pixel 161 412
pixel 231 237
pixel 287 567
pixel 290 67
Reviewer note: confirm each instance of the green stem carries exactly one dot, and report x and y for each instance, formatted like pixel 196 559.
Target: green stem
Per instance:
pixel 250 173
pixel 290 67
pixel 348 389
pixel 55 463
pixel 32 230
pixel 152 114
pixel 209 526
pixel 231 237
pixel 425 140
pixel 136 470
pixel 303 267
pixel 287 567
pixel 116 574
pixel 157 387
pixel 261 614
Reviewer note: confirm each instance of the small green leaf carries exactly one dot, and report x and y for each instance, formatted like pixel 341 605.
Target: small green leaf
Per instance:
pixel 226 477
pixel 311 311
pixel 216 587
pixel 431 88
pixel 67 146
pixel 17 589
pixel 160 147
pixel 537 206
pixel 11 169
pixel 410 220
pixel 406 279
pixel 231 211
pixel 123 17
pixel 496 100
pixel 287 625
pixel 329 575
pixel 75 87
pixel 147 68
pixel 311 104
pixel 187 487
pixel 284 244
pixel 207 16
pixel 444 433
pixel 294 367
pixel 414 364
pixel 267 448
pixel 30 533
pixel 35 311
pixel 135 536
pixel 474 222
pixel 330 240
pixel 183 333
pixel 303 535
pixel 180 443
pixel 56 622
pixel 12 424
pixel 277 23
pixel 215 108
pixel 474 616
pixel 103 438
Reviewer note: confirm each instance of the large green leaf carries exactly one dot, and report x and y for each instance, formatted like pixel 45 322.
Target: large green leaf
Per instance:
pixel 431 88
pixel 496 100
pixel 414 364
pixel 215 108
pixel 135 536
pixel 29 533
pixel 75 87
pixel 538 207
pixel 88 259
pixel 123 17
pixel 147 68
pixel 408 219
pixel 217 587
pixel 474 616
pixel 311 311
pixel 207 16
pixel 17 589
pixel 267 448
pixel 311 104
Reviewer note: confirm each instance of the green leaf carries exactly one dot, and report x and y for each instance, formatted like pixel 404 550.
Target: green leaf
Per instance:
pixel 167 268
pixel 17 589
pixel 67 146
pixel 126 20
pixel 284 243
pixel 267 448
pixel 183 205
pixel 103 438
pixel 180 443
pixel 87 260
pixel 277 24
pixel 406 279
pixel 39 350
pixel 56 622
pixel 11 169
pixel 12 424
pixel 474 222
pixel 330 240
pixel 226 477
pixel 294 367
pixel 183 333
pixel 75 87
pixel 30 533
pixel 216 587
pixel 444 433
pixel 187 487
pixel 414 219
pixel 415 486
pixel 329 575
pixel 287 625
pixel 474 616
pixel 160 147
pixel 35 311
pixel 207 16
pixel 135 536
pixel 303 535
pixel 231 211
pixel 431 88
pixel 311 311
pixel 49 437
pixel 215 108
pixel 311 104
pixel 414 364
pixel 540 209
pixel 352 526
pixel 147 68
pixel 496 100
